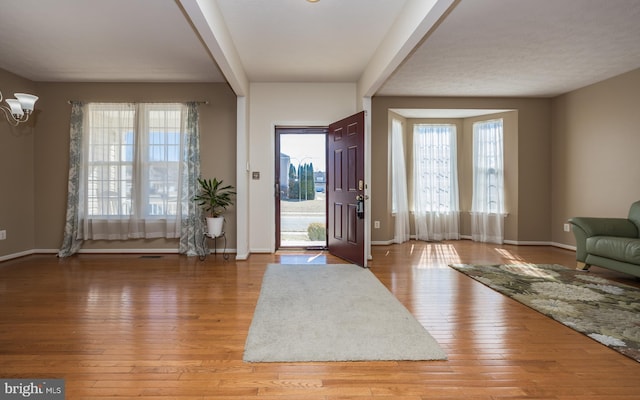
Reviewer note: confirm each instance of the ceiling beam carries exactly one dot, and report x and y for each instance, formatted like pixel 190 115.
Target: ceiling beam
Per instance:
pixel 209 24
pixel 416 21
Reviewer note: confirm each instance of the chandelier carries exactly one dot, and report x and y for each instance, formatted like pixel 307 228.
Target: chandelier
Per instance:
pixel 18 109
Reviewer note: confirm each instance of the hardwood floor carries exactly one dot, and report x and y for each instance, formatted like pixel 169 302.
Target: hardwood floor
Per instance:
pixel 122 326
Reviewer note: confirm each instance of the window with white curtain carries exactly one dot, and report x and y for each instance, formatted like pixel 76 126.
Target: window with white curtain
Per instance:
pixel 435 182
pixel 133 158
pixel 488 208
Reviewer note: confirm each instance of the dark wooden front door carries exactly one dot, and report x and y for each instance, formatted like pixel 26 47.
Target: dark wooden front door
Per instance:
pixel 345 192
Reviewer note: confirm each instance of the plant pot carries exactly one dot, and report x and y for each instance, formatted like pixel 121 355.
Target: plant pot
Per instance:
pixel 214 226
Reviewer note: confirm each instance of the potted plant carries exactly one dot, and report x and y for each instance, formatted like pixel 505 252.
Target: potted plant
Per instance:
pixel 214 198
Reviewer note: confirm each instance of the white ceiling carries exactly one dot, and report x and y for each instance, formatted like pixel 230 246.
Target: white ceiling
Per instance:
pixel 443 113
pixel 481 48
pixel 297 41
pixel 102 41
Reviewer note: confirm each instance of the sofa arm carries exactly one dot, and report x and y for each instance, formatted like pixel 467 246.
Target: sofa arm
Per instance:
pixel 620 227
pixel 585 227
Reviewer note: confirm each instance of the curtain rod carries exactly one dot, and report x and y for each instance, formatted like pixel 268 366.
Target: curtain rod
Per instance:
pixel 197 101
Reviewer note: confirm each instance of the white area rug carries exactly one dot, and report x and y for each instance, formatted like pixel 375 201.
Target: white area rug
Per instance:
pixel 338 312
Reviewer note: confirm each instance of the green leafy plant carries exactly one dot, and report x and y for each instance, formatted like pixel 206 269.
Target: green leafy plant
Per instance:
pixel 214 197
pixel 317 232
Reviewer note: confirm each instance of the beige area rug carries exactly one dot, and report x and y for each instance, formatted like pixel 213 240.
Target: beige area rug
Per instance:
pixel 338 312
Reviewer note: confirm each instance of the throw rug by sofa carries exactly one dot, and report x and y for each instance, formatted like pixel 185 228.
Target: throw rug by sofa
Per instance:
pixel 339 312
pixel 606 311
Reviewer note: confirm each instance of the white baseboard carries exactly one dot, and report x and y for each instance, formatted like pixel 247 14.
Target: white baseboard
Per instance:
pixel 242 257
pixel 382 242
pixel 527 243
pixel 45 251
pixel 109 251
pixel 228 251
pixel 563 246
pixel 142 251
pixel 510 242
pixel 268 251
pixel 128 251
pixel 16 255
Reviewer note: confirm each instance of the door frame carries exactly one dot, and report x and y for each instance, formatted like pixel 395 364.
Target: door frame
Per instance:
pixel 295 130
pixel 365 104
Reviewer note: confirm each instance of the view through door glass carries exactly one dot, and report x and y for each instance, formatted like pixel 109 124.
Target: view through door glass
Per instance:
pixel 303 190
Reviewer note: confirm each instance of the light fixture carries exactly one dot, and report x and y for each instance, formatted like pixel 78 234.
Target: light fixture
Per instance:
pixel 20 108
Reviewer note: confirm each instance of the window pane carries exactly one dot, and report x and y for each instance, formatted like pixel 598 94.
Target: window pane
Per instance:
pixel 110 160
pixel 111 155
pixel 164 150
pixel 435 167
pixel 488 161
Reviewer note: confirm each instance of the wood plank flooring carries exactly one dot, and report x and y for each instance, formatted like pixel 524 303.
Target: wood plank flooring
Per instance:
pixel 124 327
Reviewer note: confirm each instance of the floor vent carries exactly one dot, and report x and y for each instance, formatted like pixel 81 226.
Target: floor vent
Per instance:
pixel 150 256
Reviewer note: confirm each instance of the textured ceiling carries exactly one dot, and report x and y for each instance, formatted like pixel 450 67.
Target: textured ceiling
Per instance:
pixel 482 48
pixel 522 48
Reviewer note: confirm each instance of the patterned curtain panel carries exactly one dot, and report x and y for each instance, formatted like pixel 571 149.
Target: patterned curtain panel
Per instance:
pixel 72 241
pixel 192 241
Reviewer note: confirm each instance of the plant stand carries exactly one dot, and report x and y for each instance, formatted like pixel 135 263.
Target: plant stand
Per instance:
pixel 222 235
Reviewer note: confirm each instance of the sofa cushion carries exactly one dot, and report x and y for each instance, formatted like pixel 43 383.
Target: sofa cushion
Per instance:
pixel 617 248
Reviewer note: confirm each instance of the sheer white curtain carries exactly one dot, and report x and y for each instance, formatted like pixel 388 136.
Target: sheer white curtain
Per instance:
pixel 400 200
pixel 435 182
pixel 132 170
pixel 488 210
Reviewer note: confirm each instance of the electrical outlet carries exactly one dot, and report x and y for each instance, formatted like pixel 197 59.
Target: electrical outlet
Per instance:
pixel 376 224
pixel 3 235
pixel 567 228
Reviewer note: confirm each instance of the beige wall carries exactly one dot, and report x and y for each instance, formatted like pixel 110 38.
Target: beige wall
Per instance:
pixel 572 155
pixel 595 152
pixel 51 151
pixel 527 159
pixel 286 104
pixel 16 173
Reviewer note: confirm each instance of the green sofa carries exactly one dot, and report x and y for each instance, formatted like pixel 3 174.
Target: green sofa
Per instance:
pixel 612 243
